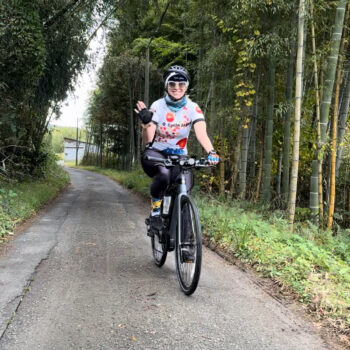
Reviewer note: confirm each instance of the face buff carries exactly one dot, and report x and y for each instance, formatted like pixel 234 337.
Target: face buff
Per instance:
pixel 175 105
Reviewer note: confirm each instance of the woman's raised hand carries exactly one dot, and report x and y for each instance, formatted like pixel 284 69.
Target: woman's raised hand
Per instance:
pixel 139 106
pixel 144 114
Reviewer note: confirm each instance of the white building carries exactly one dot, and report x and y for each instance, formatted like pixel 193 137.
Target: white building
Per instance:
pixel 71 146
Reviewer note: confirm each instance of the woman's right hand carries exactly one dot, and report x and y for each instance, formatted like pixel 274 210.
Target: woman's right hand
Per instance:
pixel 144 114
pixel 139 106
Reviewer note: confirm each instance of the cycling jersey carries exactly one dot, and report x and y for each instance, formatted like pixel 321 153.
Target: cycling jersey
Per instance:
pixel 173 128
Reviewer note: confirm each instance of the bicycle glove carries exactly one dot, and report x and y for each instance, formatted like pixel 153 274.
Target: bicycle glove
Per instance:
pixel 213 157
pixel 145 115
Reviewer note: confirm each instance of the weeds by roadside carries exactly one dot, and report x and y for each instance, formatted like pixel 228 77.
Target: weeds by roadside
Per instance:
pixel 315 267
pixel 20 200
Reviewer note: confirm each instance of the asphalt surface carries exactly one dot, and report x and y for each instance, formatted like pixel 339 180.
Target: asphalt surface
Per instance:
pixel 82 277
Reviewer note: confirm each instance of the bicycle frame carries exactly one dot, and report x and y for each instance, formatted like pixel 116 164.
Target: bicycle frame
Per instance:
pixel 186 241
pixel 176 195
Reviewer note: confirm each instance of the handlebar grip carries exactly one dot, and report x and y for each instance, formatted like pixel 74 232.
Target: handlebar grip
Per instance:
pixel 155 159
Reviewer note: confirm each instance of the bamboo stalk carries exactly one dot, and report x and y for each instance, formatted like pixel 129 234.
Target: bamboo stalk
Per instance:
pixel 316 191
pixel 258 179
pixel 297 114
pixel 335 128
pixel 331 68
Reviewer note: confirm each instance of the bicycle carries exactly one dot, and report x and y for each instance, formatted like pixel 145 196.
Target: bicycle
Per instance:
pixel 181 229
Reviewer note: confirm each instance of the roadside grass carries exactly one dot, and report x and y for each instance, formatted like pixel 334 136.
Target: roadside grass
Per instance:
pixel 314 267
pixel 70 163
pixel 313 264
pixel 20 200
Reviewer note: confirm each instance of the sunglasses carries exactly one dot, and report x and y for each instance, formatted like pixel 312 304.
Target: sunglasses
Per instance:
pixel 181 84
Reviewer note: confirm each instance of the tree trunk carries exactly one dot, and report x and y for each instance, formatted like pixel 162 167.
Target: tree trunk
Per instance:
pixel 222 177
pixel 286 131
pixel 314 195
pixel 252 142
pixel 331 68
pixel 244 159
pixel 297 114
pixel 235 160
pixel 101 145
pixel 131 126
pixel 279 174
pixel 334 149
pixel 212 107
pixel 258 179
pixel 335 128
pixel 269 132
pixel 343 117
pixel 316 189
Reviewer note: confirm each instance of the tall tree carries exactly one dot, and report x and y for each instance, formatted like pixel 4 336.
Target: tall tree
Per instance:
pixel 331 68
pixel 335 127
pixel 297 114
pixel 286 129
pixel 316 192
pixel 266 195
pixel 343 117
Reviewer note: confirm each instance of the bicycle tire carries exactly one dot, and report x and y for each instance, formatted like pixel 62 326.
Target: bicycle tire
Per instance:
pixel 159 250
pixel 188 273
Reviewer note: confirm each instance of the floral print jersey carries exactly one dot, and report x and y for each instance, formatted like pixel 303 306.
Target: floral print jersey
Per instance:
pixel 173 128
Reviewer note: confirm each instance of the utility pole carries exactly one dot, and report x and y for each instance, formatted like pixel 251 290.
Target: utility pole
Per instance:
pixel 77 144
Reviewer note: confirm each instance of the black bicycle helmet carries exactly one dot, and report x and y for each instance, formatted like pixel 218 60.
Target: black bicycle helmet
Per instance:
pixel 177 70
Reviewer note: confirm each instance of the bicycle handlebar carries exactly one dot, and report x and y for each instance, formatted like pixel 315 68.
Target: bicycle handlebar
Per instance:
pixel 185 163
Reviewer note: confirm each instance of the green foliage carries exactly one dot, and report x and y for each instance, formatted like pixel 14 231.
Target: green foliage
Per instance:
pixel 316 268
pixel 42 49
pixel 20 200
pixel 22 59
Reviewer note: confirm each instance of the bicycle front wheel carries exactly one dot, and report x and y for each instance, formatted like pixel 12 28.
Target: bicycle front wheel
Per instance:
pixel 188 253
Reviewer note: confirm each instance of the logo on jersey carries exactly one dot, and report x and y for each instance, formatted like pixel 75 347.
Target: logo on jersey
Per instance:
pixel 169 117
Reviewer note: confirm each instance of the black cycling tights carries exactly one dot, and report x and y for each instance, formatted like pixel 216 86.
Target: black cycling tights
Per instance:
pixel 162 176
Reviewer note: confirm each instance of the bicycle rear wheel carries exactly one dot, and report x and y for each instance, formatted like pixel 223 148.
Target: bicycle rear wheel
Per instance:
pixel 189 241
pixel 159 248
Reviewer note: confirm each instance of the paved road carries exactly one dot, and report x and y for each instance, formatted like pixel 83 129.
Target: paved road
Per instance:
pixel 82 277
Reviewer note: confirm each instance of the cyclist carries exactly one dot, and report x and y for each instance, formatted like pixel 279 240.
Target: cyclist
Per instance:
pixel 165 130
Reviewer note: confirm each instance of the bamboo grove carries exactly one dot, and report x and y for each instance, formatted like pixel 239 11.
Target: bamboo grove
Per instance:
pixel 273 81
pixel 272 77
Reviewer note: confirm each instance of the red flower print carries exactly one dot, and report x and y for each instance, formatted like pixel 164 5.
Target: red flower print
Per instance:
pixel 198 110
pixel 182 143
